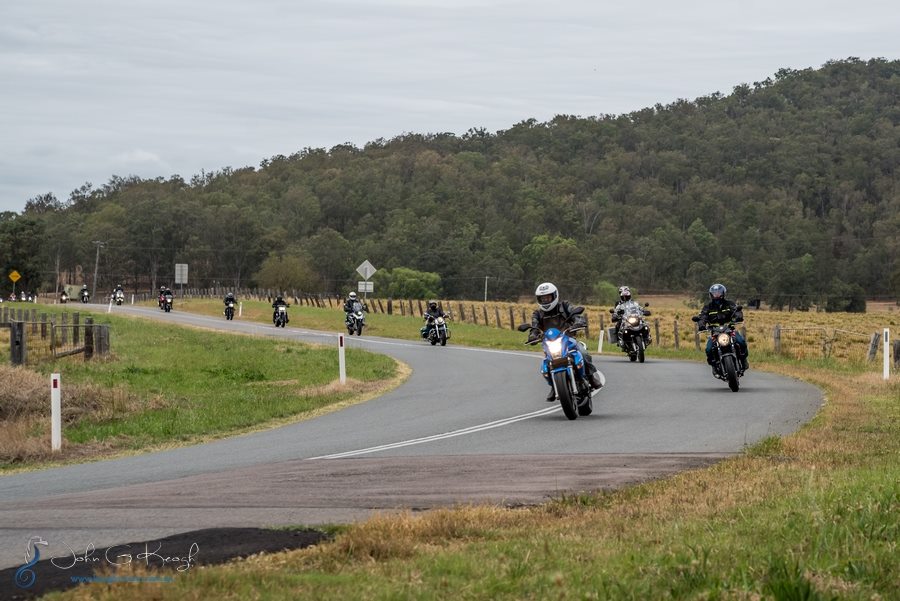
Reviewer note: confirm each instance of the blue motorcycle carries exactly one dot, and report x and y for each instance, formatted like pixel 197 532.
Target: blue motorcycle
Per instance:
pixel 565 367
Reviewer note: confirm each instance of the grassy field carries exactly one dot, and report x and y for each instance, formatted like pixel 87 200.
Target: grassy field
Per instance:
pixel 173 385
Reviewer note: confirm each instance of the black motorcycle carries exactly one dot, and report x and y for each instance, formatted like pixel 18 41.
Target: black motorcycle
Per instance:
pixel 281 317
pixel 436 330
pixel 727 362
pixel 229 310
pixel 85 296
pixel 168 299
pixel 634 334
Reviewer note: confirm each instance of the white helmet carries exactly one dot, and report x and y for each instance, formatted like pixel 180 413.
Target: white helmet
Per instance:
pixel 547 296
pixel 352 296
pixel 624 293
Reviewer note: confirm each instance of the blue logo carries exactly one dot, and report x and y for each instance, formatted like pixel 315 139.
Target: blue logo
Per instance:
pixel 25 576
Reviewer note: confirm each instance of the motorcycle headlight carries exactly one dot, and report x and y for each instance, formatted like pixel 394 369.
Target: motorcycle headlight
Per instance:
pixel 723 339
pixel 632 320
pixel 555 348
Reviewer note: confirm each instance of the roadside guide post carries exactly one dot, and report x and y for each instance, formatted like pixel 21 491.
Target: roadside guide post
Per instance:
pixel 341 363
pixel 55 413
pixel 887 353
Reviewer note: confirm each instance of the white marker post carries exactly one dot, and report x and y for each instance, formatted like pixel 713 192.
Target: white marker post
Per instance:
pixel 55 413
pixel 341 364
pixel 240 308
pixel 109 308
pixel 600 341
pixel 132 298
pixel 887 354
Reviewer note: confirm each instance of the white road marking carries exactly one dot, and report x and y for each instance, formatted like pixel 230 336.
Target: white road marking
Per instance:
pixel 470 430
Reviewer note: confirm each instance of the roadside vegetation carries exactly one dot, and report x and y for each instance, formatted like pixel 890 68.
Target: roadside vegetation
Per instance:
pixel 810 516
pixel 168 385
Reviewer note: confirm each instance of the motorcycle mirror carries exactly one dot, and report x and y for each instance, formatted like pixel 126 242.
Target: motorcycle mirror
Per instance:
pixel 646 304
pixel 524 327
pixel 695 318
pixel 612 310
pixel 739 308
pixel 577 310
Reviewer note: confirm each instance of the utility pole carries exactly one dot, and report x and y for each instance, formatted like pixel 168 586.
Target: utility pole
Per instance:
pixel 485 287
pixel 96 266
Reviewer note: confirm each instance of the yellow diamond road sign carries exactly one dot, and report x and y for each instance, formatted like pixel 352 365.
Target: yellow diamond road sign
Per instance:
pixel 14 275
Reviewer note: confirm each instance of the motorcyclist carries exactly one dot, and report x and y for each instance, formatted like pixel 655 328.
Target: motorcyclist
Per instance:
pixel 84 292
pixel 229 298
pixel 554 313
pixel 624 298
pixel 432 313
pixel 719 311
pixel 348 306
pixel 117 290
pixel 279 302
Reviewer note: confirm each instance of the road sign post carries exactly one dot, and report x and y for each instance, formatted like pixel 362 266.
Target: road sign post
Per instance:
pixel 181 275
pixel 14 276
pixel 366 270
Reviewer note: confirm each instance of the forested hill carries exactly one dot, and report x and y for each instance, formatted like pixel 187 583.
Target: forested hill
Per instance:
pixel 783 189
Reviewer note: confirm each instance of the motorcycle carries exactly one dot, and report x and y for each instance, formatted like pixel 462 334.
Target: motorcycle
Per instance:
pixel 356 319
pixel 63 298
pixel 573 393
pixel 634 335
pixel 229 310
pixel 167 302
pixel 85 296
pixel 119 297
pixel 727 363
pixel 436 330
pixel 280 316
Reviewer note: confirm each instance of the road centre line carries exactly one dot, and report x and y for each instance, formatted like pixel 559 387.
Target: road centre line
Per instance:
pixel 435 437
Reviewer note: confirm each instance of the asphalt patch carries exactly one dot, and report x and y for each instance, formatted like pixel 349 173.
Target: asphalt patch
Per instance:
pixel 165 556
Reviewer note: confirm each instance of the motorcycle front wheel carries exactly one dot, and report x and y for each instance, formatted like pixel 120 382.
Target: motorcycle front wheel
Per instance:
pixel 730 368
pixel 566 399
pixel 640 355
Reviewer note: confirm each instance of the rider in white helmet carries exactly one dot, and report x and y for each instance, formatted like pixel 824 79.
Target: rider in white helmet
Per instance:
pixel 554 313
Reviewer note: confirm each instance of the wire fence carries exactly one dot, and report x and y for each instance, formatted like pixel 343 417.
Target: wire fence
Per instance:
pixel 28 336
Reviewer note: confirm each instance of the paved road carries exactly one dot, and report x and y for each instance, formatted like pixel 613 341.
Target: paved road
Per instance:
pixel 470 425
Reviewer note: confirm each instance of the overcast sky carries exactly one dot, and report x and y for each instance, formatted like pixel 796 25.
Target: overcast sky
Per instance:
pixel 95 88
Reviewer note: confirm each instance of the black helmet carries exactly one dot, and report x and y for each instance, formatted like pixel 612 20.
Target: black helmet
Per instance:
pixel 717 291
pixel 432 305
pixel 279 297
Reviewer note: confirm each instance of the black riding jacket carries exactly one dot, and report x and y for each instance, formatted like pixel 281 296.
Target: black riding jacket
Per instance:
pixel 559 317
pixel 718 312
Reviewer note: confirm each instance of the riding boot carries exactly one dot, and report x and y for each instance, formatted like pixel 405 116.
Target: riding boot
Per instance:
pixel 551 396
pixel 745 364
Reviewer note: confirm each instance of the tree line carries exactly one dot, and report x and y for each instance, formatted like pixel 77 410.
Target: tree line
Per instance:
pixel 784 190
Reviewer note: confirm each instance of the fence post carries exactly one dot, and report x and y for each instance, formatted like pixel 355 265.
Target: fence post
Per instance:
pixel 17 345
pixel 896 355
pixel 677 341
pixel 88 338
pixel 497 315
pixel 462 312
pixel 474 315
pixel 776 339
pixel 512 319
pixel 390 310
pixel 887 354
pixel 656 331
pixel 76 331
pixel 873 346
pixel 43 326
pixel 484 308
